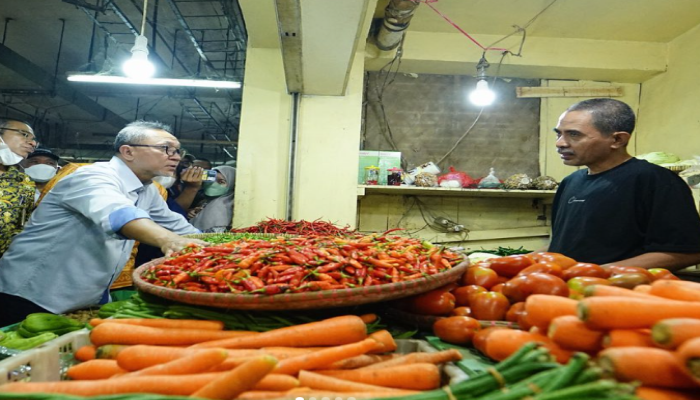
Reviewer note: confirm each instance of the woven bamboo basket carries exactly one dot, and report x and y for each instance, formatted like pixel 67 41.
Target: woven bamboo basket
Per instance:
pixel 304 300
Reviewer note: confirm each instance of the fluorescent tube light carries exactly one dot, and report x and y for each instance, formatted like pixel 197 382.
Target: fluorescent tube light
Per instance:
pixel 155 81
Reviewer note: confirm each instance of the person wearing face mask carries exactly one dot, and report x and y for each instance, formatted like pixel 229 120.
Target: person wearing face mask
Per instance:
pixel 17 140
pixel 217 210
pixel 41 166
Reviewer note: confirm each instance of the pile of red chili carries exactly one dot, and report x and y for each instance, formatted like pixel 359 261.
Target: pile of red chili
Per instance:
pixel 302 227
pixel 300 264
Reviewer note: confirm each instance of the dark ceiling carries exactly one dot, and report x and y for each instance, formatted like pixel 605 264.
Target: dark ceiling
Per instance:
pixel 43 40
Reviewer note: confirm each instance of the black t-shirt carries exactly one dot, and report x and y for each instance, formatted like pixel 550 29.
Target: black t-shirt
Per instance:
pixel 632 209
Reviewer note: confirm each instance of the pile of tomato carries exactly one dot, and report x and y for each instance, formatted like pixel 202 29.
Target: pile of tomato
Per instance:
pixel 300 264
pixel 496 289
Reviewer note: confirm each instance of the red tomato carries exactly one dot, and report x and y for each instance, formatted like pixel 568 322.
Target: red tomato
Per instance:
pixel 518 288
pixel 581 282
pixel 585 269
pixel 489 306
pixel 480 276
pixel 545 267
pixel 498 288
pixel 509 266
pixel 629 280
pixel 624 269
pixel 514 310
pixel 479 339
pixel 456 330
pixel 435 302
pixel 463 294
pixel 563 261
pixel 461 312
pixel 662 273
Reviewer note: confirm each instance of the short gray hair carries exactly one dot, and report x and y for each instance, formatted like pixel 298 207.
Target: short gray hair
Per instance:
pixel 137 131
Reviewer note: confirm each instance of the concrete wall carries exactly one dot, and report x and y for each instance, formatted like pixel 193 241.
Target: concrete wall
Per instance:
pixel 669 116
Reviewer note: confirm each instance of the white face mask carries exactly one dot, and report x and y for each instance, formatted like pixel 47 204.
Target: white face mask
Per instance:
pixel 7 156
pixel 165 181
pixel 41 172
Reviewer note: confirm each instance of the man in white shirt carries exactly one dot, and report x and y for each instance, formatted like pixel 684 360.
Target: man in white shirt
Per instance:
pixel 80 236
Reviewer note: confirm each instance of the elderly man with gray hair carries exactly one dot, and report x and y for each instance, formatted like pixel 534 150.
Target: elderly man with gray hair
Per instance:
pixel 80 236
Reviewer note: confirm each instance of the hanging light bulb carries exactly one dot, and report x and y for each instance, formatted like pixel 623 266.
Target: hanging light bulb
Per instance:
pixel 482 96
pixel 138 66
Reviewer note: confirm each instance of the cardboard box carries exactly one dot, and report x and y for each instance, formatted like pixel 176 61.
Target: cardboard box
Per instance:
pixel 367 158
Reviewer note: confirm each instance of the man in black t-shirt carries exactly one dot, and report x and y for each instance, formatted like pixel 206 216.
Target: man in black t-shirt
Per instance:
pixel 620 210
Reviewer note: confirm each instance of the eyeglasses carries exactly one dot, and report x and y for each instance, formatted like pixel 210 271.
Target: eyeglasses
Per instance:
pixel 28 136
pixel 171 151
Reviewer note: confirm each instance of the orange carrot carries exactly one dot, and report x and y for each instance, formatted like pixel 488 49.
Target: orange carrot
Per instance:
pixel 264 395
pixel 329 332
pixel 650 366
pixel 323 358
pixel 183 385
pixel 421 376
pixel 541 309
pixel 277 382
pixel 163 323
pixel 628 338
pixel 323 382
pixel 386 341
pixel 94 369
pixel 109 333
pixel 319 394
pixel 110 351
pixel 281 353
pixel 85 353
pixel 437 357
pixel 646 289
pixel 651 393
pixel 502 343
pixel 368 318
pixel 571 333
pixel 361 361
pixel 238 380
pixel 143 356
pixel 193 363
pixel 632 313
pixel 606 290
pixel 232 362
pixel 671 333
pixel 677 290
pixel 689 358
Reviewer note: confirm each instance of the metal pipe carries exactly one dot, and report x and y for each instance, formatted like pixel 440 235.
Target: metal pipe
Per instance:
pixel 294 132
pixel 58 53
pixel 397 17
pixel 155 23
pixel 4 29
pixel 92 42
pixel 190 35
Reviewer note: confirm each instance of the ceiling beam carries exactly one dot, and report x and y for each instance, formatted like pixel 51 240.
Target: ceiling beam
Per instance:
pixel 28 70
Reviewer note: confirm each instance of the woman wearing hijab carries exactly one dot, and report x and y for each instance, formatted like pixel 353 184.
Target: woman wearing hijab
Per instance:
pixel 217 210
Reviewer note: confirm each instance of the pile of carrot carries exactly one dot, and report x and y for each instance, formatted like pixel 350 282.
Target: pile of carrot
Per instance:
pixel 650 334
pixel 328 358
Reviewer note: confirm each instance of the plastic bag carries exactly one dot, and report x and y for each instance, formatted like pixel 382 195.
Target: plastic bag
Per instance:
pixel 429 167
pixel 455 179
pixel 490 181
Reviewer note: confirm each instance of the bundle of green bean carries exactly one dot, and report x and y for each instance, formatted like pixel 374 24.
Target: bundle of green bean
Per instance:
pixel 142 306
pixel 531 374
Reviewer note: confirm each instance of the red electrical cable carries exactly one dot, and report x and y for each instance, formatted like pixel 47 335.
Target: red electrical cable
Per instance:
pixel 427 3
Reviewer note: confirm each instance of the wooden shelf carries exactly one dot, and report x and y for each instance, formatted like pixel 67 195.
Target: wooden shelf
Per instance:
pixel 363 190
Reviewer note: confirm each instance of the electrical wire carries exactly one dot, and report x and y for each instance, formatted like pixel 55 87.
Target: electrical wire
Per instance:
pixel 143 19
